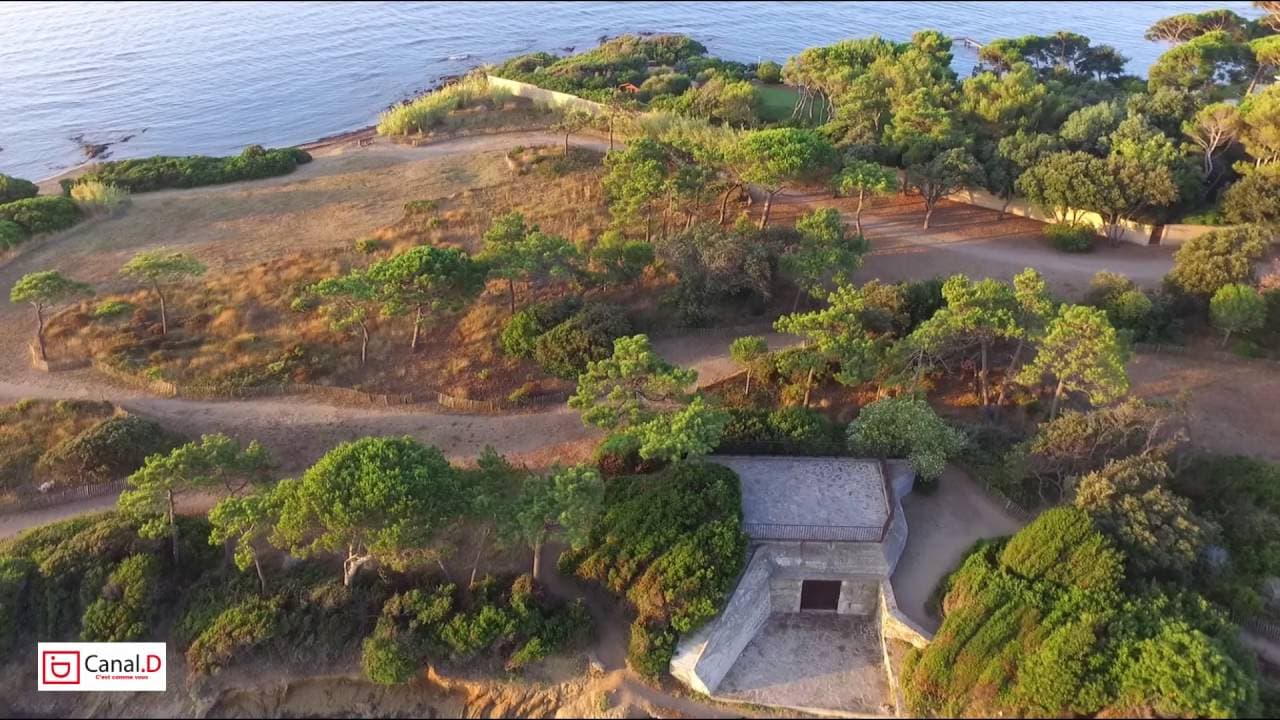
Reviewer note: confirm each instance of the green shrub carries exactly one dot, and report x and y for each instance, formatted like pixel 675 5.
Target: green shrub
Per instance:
pixel 1045 628
pixel 1237 309
pixel 992 453
pixel 509 620
pixel 236 631
pixel 664 84
pixel 650 648
pixel 1206 262
pixel 120 614
pixel 385 659
pixel 906 427
pixel 161 171
pixel 784 431
pixel 428 111
pixel 111 450
pixel 520 336
pixel 420 207
pixel 16 578
pixel 12 188
pixel 565 350
pixel 73 560
pixel 1242 496
pixel 202 604
pixel 1147 316
pixel 467 634
pixel 1072 238
pixel 769 72
pixel 1210 216
pixel 29 429
pixel 44 214
pixel 368 245
pixel 11 234
pixel 596 73
pixel 620 455
pixel 672 543
pixel 1062 546
pixel 93 196
pixel 110 309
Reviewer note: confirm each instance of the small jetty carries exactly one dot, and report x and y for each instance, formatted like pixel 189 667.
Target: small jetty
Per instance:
pixel 968 42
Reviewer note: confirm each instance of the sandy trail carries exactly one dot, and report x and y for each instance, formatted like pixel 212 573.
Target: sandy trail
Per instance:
pixel 941 527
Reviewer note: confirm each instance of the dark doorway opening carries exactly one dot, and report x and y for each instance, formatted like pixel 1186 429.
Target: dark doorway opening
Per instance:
pixel 819 595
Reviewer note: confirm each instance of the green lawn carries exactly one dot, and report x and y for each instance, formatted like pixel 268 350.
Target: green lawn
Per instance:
pixel 777 101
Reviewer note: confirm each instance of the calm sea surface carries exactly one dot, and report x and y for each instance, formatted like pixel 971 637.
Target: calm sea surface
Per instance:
pixel 214 77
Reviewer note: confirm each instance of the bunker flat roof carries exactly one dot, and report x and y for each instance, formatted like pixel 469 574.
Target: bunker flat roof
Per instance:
pixel 810 498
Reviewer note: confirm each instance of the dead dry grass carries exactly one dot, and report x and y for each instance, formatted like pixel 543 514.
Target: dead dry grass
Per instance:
pixel 29 428
pixel 236 327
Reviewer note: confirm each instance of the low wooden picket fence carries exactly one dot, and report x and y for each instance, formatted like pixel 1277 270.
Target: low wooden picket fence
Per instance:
pixel 1219 355
pixel 50 366
pixel 26 503
pixel 332 393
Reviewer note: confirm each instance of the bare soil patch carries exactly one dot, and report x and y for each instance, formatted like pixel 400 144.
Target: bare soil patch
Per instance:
pixel 972 241
pixel 1232 406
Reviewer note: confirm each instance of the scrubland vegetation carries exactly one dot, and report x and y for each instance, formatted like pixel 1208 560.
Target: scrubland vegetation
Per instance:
pixel 430 110
pixel 106 187
pixel 1048 623
pixel 144 571
pixel 67 443
pixel 161 172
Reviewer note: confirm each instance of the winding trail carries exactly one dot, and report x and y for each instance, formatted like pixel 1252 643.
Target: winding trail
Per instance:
pixel 298 431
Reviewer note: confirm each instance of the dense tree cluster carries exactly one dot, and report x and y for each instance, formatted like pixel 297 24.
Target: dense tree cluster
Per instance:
pixel 654 530
pixel 1048 623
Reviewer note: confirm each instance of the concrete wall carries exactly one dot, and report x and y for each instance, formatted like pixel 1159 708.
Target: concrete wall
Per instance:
pixel 704 657
pixel 822 559
pixel 902 480
pixel 901 476
pixel 1178 234
pixel 897 626
pixel 895 540
pixel 858 596
pixel 550 98
pixel 1133 232
pixel 1137 233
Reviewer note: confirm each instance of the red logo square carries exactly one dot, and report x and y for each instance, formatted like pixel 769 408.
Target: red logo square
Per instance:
pixel 60 667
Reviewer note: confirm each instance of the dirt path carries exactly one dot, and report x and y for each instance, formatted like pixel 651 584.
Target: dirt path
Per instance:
pixel 610 634
pixel 298 431
pixel 974 241
pixel 1232 405
pixel 940 528
pixel 708 353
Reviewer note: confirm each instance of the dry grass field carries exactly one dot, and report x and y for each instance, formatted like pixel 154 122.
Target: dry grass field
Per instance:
pixel 235 326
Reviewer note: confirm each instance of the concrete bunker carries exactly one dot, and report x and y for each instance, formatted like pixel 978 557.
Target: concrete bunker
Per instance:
pixel 805 626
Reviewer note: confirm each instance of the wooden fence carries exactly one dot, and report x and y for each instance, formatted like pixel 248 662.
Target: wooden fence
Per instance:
pixel 1006 502
pixel 1259 626
pixel 25 503
pixel 1218 355
pixel 332 393
pixel 49 366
